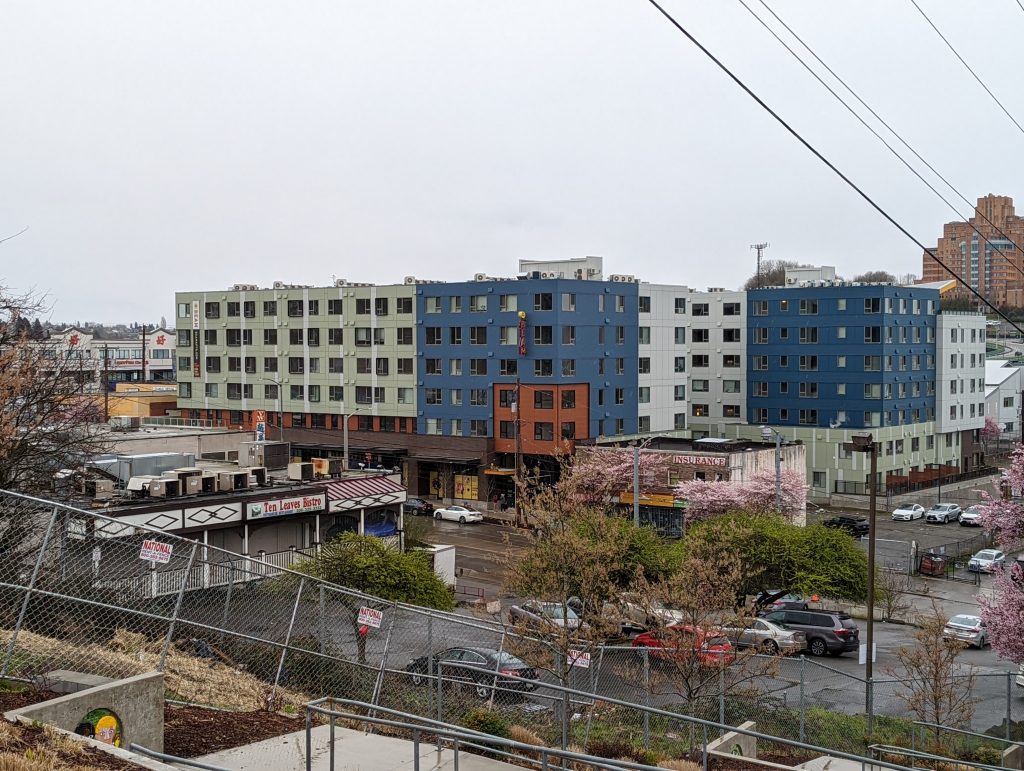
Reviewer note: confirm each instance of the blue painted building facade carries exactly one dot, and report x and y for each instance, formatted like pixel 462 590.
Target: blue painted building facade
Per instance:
pixel 841 356
pixel 577 332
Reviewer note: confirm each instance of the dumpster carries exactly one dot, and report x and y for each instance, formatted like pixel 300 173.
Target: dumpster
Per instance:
pixel 933 565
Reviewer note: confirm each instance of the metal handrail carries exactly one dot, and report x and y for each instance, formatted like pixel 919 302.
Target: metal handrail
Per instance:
pixel 892 749
pixel 174 758
pixel 709 724
pixel 456 734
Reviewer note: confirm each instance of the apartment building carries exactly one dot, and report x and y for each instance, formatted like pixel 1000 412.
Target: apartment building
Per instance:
pixel 100 363
pixel 960 388
pixel 1004 387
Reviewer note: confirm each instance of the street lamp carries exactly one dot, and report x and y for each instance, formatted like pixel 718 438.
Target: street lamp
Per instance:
pixel 766 434
pixel 344 433
pixel 280 412
pixel 866 443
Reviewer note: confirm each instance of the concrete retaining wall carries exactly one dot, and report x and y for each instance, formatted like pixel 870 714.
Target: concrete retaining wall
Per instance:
pixel 137 701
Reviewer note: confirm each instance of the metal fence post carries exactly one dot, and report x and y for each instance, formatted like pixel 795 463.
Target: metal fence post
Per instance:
pixel 227 598
pixel 28 591
pixel 430 663
pixel 323 622
pixel 287 640
pixel 177 606
pixel 803 706
pixel 704 752
pixel 1009 703
pixel 870 685
pixel 595 677
pixel 721 694
pixel 497 669
pixel 383 660
pixel 309 739
pixel 647 696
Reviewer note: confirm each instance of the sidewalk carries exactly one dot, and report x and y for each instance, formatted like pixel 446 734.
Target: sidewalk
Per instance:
pixel 353 751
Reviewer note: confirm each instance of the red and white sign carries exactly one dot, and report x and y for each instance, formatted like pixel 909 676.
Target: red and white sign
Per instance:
pixel 579 659
pixel 155 551
pixel 370 617
pixel 699 460
pixel 301 505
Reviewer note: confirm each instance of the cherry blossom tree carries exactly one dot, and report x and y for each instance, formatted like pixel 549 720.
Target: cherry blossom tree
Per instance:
pixel 595 474
pixel 1003 610
pixel 992 430
pixel 706 499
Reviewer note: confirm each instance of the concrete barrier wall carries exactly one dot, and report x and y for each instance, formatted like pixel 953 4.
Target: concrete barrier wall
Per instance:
pixel 137 701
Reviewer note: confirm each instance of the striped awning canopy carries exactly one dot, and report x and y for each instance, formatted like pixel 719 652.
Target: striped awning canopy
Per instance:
pixel 363 492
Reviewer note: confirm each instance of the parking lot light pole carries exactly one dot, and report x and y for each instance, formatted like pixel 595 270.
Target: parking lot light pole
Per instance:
pixel 345 415
pixel 280 412
pixel 866 443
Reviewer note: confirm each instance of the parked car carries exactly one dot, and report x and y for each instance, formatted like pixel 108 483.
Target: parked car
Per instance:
pixel 908 511
pixel 545 616
pixel 855 526
pixel 987 561
pixel 502 664
pixel 943 512
pixel 418 506
pixel 971 516
pixel 969 629
pixel 827 631
pixel 462 514
pixel 764 635
pixel 777 599
pixel 635 613
pixel 680 641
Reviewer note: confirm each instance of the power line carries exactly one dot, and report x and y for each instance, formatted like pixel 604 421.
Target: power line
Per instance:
pixel 796 135
pixel 1020 5
pixel 965 64
pixel 881 139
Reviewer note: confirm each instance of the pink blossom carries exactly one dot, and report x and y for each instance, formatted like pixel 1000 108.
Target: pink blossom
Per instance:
pixel 597 473
pixel 707 499
pixel 1004 613
pixel 991 429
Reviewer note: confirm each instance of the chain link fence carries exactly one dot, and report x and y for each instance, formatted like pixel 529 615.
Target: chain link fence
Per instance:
pixel 84 592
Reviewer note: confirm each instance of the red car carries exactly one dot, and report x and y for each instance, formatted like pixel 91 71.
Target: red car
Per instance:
pixel 708 648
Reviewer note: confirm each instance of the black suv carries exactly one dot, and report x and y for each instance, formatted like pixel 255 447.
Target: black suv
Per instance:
pixel 417 506
pixel 855 526
pixel 827 631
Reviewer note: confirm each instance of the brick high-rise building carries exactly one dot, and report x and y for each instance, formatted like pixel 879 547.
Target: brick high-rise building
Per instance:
pixel 984 254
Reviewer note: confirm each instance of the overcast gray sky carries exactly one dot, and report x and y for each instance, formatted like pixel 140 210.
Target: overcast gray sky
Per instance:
pixel 158 146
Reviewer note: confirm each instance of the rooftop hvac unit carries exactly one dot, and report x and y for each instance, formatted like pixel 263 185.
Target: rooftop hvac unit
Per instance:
pixel 244 287
pixel 620 278
pixel 98 488
pixel 479 276
pixel 164 488
pixel 326 467
pixel 410 280
pixel 300 472
pixel 207 483
pixel 257 475
pixel 232 480
pixel 340 282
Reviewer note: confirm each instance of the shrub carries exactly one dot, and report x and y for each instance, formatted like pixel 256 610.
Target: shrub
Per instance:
pixel 990 756
pixel 487 721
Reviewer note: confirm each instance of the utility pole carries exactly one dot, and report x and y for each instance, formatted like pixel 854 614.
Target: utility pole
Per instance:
pixel 106 384
pixel 760 250
pixel 519 457
pixel 143 379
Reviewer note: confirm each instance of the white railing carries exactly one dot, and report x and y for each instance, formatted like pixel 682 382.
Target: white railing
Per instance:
pixel 183 422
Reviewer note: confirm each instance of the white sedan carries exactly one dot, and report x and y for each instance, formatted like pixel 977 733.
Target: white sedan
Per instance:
pixel 461 514
pixel 909 511
pixel 987 561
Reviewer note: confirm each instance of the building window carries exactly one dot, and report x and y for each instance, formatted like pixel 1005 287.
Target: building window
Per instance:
pixel 700 360
pixel 680 304
pixel 478 366
pixel 543 368
pixel 508 302
pixel 455 335
pixel 431 395
pixel 569 301
pixel 455 367
pixel 569 335
pixel 760 307
pixel 543 400
pixel 381 367
pixel 213 364
pixel 507 429
pixel 334 307
pixel 730 336
pixel 760 388
pixel 679 393
pixel 508 367
pixel 680 364
pixel 211 390
pixel 761 363
pixel 700 336
pixel 699 410
pixel 872 363
pixel 455 304
pixel 543 335
pixel 808 390
pixel 432 366
pixel 731 360
pixel 543 431
pixel 644 365
pixel 380 306
pixel 761 415
pixel 568 367
pixel 433 335
pixel 644 335
pixel 432 304
pixel 699 385
pixel 478 397
pixel 403 305
pixel 543 301
pixel 295 337
pixel 477 303
pixel 620 395
pixel 679 421
pixel 700 309
pixel 808 417
pixel 405 396
pixel 809 363
pixel 808 307
pixel 873 305
pixel 403 336
pixel 478 428
pixel 808 334
pixel 363 306
pixel 455 397
pixel 730 410
pixel 478 335
pixel 731 309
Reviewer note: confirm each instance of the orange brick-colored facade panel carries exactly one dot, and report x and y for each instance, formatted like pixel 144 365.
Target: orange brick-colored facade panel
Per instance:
pixel 545 411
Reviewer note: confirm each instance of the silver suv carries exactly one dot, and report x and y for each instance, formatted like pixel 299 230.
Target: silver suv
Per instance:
pixel 827 631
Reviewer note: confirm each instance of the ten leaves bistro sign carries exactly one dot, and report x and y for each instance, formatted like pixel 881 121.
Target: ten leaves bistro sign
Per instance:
pixel 304 504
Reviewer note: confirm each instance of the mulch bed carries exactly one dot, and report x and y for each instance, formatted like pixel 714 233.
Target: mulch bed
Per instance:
pixel 17 699
pixel 193 731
